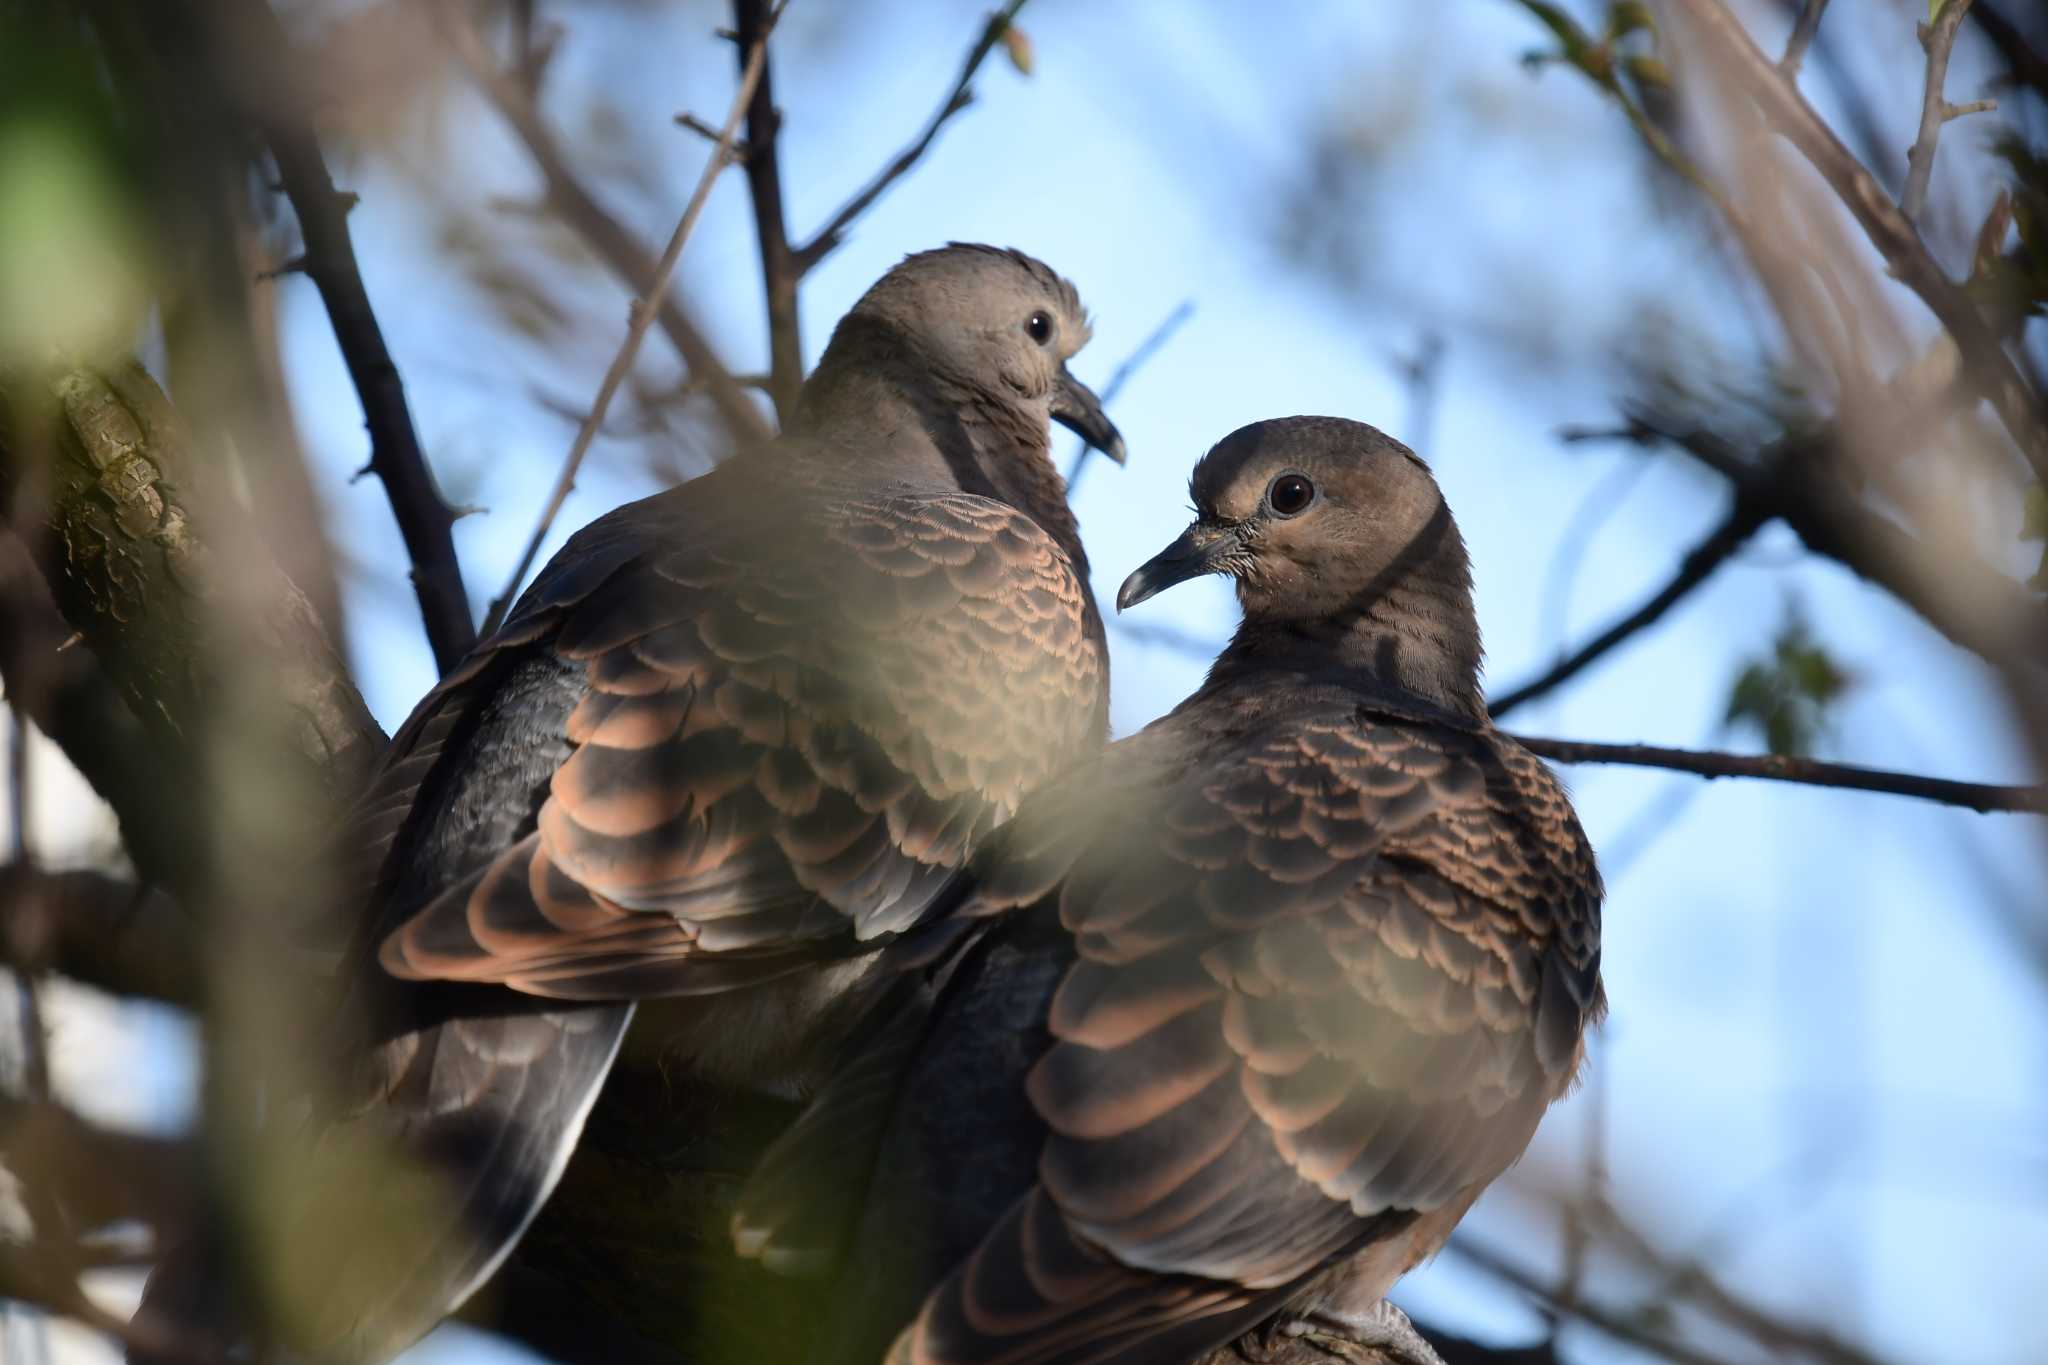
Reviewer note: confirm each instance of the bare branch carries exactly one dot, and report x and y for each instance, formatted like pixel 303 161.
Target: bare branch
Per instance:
pixel 644 313
pixel 1802 38
pixel 624 253
pixel 424 518
pixel 1696 568
pixel 1935 110
pixel 1135 361
pixel 962 94
pixel 1889 230
pixel 1977 796
pixel 780 270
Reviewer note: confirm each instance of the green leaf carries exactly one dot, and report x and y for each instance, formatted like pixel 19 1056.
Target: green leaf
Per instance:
pixel 1786 695
pixel 2034 513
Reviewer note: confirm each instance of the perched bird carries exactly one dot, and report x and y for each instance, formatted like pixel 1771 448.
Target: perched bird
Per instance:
pixel 1234 1023
pixel 734 737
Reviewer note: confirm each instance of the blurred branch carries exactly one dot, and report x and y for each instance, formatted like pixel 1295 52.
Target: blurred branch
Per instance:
pixel 780 270
pixel 1977 796
pixel 106 933
pixel 624 253
pixel 424 517
pixel 26 1278
pixel 1803 30
pixel 1133 362
pixel 1977 608
pixel 1620 1325
pixel 1889 229
pixel 644 313
pixel 962 94
pixel 1699 564
pixel 93 1174
pixel 2028 67
pixel 1935 110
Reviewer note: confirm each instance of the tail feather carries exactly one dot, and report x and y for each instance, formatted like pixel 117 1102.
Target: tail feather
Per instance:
pixel 396 1214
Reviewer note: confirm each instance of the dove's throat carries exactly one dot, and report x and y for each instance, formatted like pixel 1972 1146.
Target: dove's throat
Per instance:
pixel 1410 630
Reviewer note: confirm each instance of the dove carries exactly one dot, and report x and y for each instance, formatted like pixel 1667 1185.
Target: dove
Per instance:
pixel 734 738
pixel 1228 1028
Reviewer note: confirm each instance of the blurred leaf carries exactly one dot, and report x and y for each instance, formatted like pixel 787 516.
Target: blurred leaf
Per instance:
pixel 2034 526
pixel 1787 694
pixel 1017 43
pixel 1629 16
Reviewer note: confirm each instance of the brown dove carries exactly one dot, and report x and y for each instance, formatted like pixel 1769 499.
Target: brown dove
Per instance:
pixel 734 737
pixel 1230 1027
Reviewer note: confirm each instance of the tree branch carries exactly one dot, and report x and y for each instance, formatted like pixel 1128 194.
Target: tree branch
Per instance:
pixel 1696 568
pixel 66 693
pixel 1935 110
pixel 644 313
pixel 1977 796
pixel 105 932
pixel 752 20
pixel 1802 38
pixel 1978 609
pixel 962 94
pixel 134 576
pixel 1890 231
pixel 424 517
pixel 625 254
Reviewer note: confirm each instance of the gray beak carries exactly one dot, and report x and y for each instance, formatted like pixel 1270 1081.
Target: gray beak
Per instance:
pixel 1200 550
pixel 1075 407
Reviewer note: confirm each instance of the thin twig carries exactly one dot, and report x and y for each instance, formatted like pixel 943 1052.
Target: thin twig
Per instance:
pixel 1802 38
pixel 1696 568
pixel 780 270
pixel 1889 230
pixel 962 94
pixel 1977 796
pixel 424 518
pixel 1133 362
pixel 628 257
pixel 1935 110
pixel 644 313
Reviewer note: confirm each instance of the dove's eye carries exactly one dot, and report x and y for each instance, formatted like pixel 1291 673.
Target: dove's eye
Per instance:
pixel 1040 327
pixel 1290 495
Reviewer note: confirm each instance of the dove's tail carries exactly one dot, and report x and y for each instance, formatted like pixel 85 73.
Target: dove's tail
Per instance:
pixel 407 1207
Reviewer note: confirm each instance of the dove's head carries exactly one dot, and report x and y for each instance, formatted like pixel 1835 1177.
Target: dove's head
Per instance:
pixel 1336 531
pixel 995 321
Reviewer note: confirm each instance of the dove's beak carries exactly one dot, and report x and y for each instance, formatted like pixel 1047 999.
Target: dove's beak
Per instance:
pixel 1201 549
pixel 1075 407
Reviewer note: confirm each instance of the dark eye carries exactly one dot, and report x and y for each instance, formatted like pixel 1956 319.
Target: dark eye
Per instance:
pixel 1040 327
pixel 1290 495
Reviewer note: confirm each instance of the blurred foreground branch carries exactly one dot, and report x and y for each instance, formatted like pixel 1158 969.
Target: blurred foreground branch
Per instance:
pixel 1890 230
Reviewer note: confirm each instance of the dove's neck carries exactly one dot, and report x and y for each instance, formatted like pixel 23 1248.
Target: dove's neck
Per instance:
pixel 1412 631
pixel 927 429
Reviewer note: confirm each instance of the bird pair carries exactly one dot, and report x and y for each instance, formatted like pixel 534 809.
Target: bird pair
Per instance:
pixel 1109 1053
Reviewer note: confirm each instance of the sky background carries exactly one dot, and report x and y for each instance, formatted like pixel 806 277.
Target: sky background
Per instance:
pixel 1824 1062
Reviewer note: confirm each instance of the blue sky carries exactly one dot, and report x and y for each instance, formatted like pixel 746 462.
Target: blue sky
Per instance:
pixel 1824 1055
